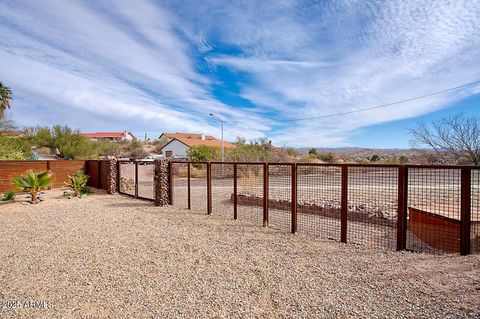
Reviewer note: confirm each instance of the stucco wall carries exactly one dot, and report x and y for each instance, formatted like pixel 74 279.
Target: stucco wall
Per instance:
pixel 177 148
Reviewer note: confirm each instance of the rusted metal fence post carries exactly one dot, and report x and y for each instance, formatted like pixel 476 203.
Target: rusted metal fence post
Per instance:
pixel 170 183
pixel 465 211
pixel 189 199
pixel 209 188
pixel 402 207
pixel 344 207
pixel 136 179
pixel 235 191
pixel 265 194
pixel 294 198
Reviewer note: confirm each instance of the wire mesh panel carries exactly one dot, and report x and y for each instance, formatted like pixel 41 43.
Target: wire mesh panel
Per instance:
pixel 250 192
pixel 180 184
pixel 372 206
pixel 126 178
pixel 198 187
pixel 145 175
pixel 434 196
pixel 475 212
pixel 319 200
pixel 280 196
pixel 222 189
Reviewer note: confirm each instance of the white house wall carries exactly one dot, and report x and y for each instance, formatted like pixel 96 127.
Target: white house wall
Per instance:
pixel 177 148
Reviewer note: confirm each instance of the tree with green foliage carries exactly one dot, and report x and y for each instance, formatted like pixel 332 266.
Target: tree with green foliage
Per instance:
pixel 70 143
pixel 33 182
pixel 14 148
pixel 375 158
pixel 203 153
pixel 312 152
pixel 5 98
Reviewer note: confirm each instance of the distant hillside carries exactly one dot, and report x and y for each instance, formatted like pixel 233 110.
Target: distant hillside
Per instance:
pixel 345 150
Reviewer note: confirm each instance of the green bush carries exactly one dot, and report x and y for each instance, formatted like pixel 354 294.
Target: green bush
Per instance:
pixel 203 153
pixel 70 143
pixel 7 196
pixel 78 184
pixel 33 182
pixel 14 149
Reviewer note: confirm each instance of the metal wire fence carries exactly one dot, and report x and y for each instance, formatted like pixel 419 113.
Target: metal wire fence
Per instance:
pixel 222 189
pixel 280 195
pixel 431 209
pixel 180 172
pixel 475 212
pixel 145 172
pixel 319 200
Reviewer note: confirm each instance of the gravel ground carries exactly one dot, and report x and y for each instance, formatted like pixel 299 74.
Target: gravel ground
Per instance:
pixel 107 256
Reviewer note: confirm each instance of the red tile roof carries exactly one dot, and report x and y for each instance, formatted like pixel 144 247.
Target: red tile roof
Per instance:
pixel 188 135
pixel 209 142
pixel 106 134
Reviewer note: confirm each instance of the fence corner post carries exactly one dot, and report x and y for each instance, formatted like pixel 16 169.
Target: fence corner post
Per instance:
pixel 265 194
pixel 465 211
pixel 294 198
pixel 344 203
pixel 209 188
pixel 112 176
pixel 161 182
pixel 235 191
pixel 402 207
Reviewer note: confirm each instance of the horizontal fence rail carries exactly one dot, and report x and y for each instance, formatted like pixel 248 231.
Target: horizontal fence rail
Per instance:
pixel 421 208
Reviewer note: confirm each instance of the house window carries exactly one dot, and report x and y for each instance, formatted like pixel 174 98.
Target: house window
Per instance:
pixel 168 153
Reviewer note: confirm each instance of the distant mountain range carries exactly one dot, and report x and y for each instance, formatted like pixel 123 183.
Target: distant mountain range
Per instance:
pixel 340 150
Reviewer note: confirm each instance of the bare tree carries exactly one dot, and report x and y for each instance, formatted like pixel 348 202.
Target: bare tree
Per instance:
pixel 455 137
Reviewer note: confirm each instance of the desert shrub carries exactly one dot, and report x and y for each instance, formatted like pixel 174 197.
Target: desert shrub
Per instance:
pixel 106 148
pixel 251 182
pixel 33 182
pixel 78 184
pixel 327 157
pixel 7 196
pixel 203 153
pixel 312 152
pixel 375 158
pixel 14 148
pixel 403 159
pixel 133 145
pixel 138 153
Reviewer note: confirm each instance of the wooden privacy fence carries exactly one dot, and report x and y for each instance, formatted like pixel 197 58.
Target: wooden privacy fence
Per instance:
pixel 61 169
pixel 433 209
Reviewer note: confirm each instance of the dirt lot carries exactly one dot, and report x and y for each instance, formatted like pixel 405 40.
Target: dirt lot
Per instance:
pixel 107 256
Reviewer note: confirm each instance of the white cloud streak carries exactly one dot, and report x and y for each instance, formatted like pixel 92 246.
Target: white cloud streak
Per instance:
pixel 137 65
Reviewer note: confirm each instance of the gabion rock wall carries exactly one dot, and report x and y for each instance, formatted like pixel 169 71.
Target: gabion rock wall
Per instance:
pixel 111 176
pixel 161 182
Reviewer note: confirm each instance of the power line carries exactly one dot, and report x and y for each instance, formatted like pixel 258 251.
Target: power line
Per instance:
pixel 359 110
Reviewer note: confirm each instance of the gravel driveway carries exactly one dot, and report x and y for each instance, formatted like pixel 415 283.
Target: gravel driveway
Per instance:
pixel 107 256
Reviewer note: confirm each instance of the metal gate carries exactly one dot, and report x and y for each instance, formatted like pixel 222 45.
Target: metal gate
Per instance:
pixel 135 178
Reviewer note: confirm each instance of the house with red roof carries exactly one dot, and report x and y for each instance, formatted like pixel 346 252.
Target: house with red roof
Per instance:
pixel 110 136
pixel 178 144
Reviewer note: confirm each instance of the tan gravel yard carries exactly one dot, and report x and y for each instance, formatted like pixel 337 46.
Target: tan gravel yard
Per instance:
pixel 107 256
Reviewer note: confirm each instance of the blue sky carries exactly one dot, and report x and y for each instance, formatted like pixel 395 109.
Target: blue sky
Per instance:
pixel 163 66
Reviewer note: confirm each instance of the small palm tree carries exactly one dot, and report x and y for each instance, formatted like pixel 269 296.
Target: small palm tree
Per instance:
pixel 78 184
pixel 33 182
pixel 5 98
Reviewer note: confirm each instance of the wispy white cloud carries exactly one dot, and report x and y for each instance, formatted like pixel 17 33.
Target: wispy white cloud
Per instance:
pixel 139 65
